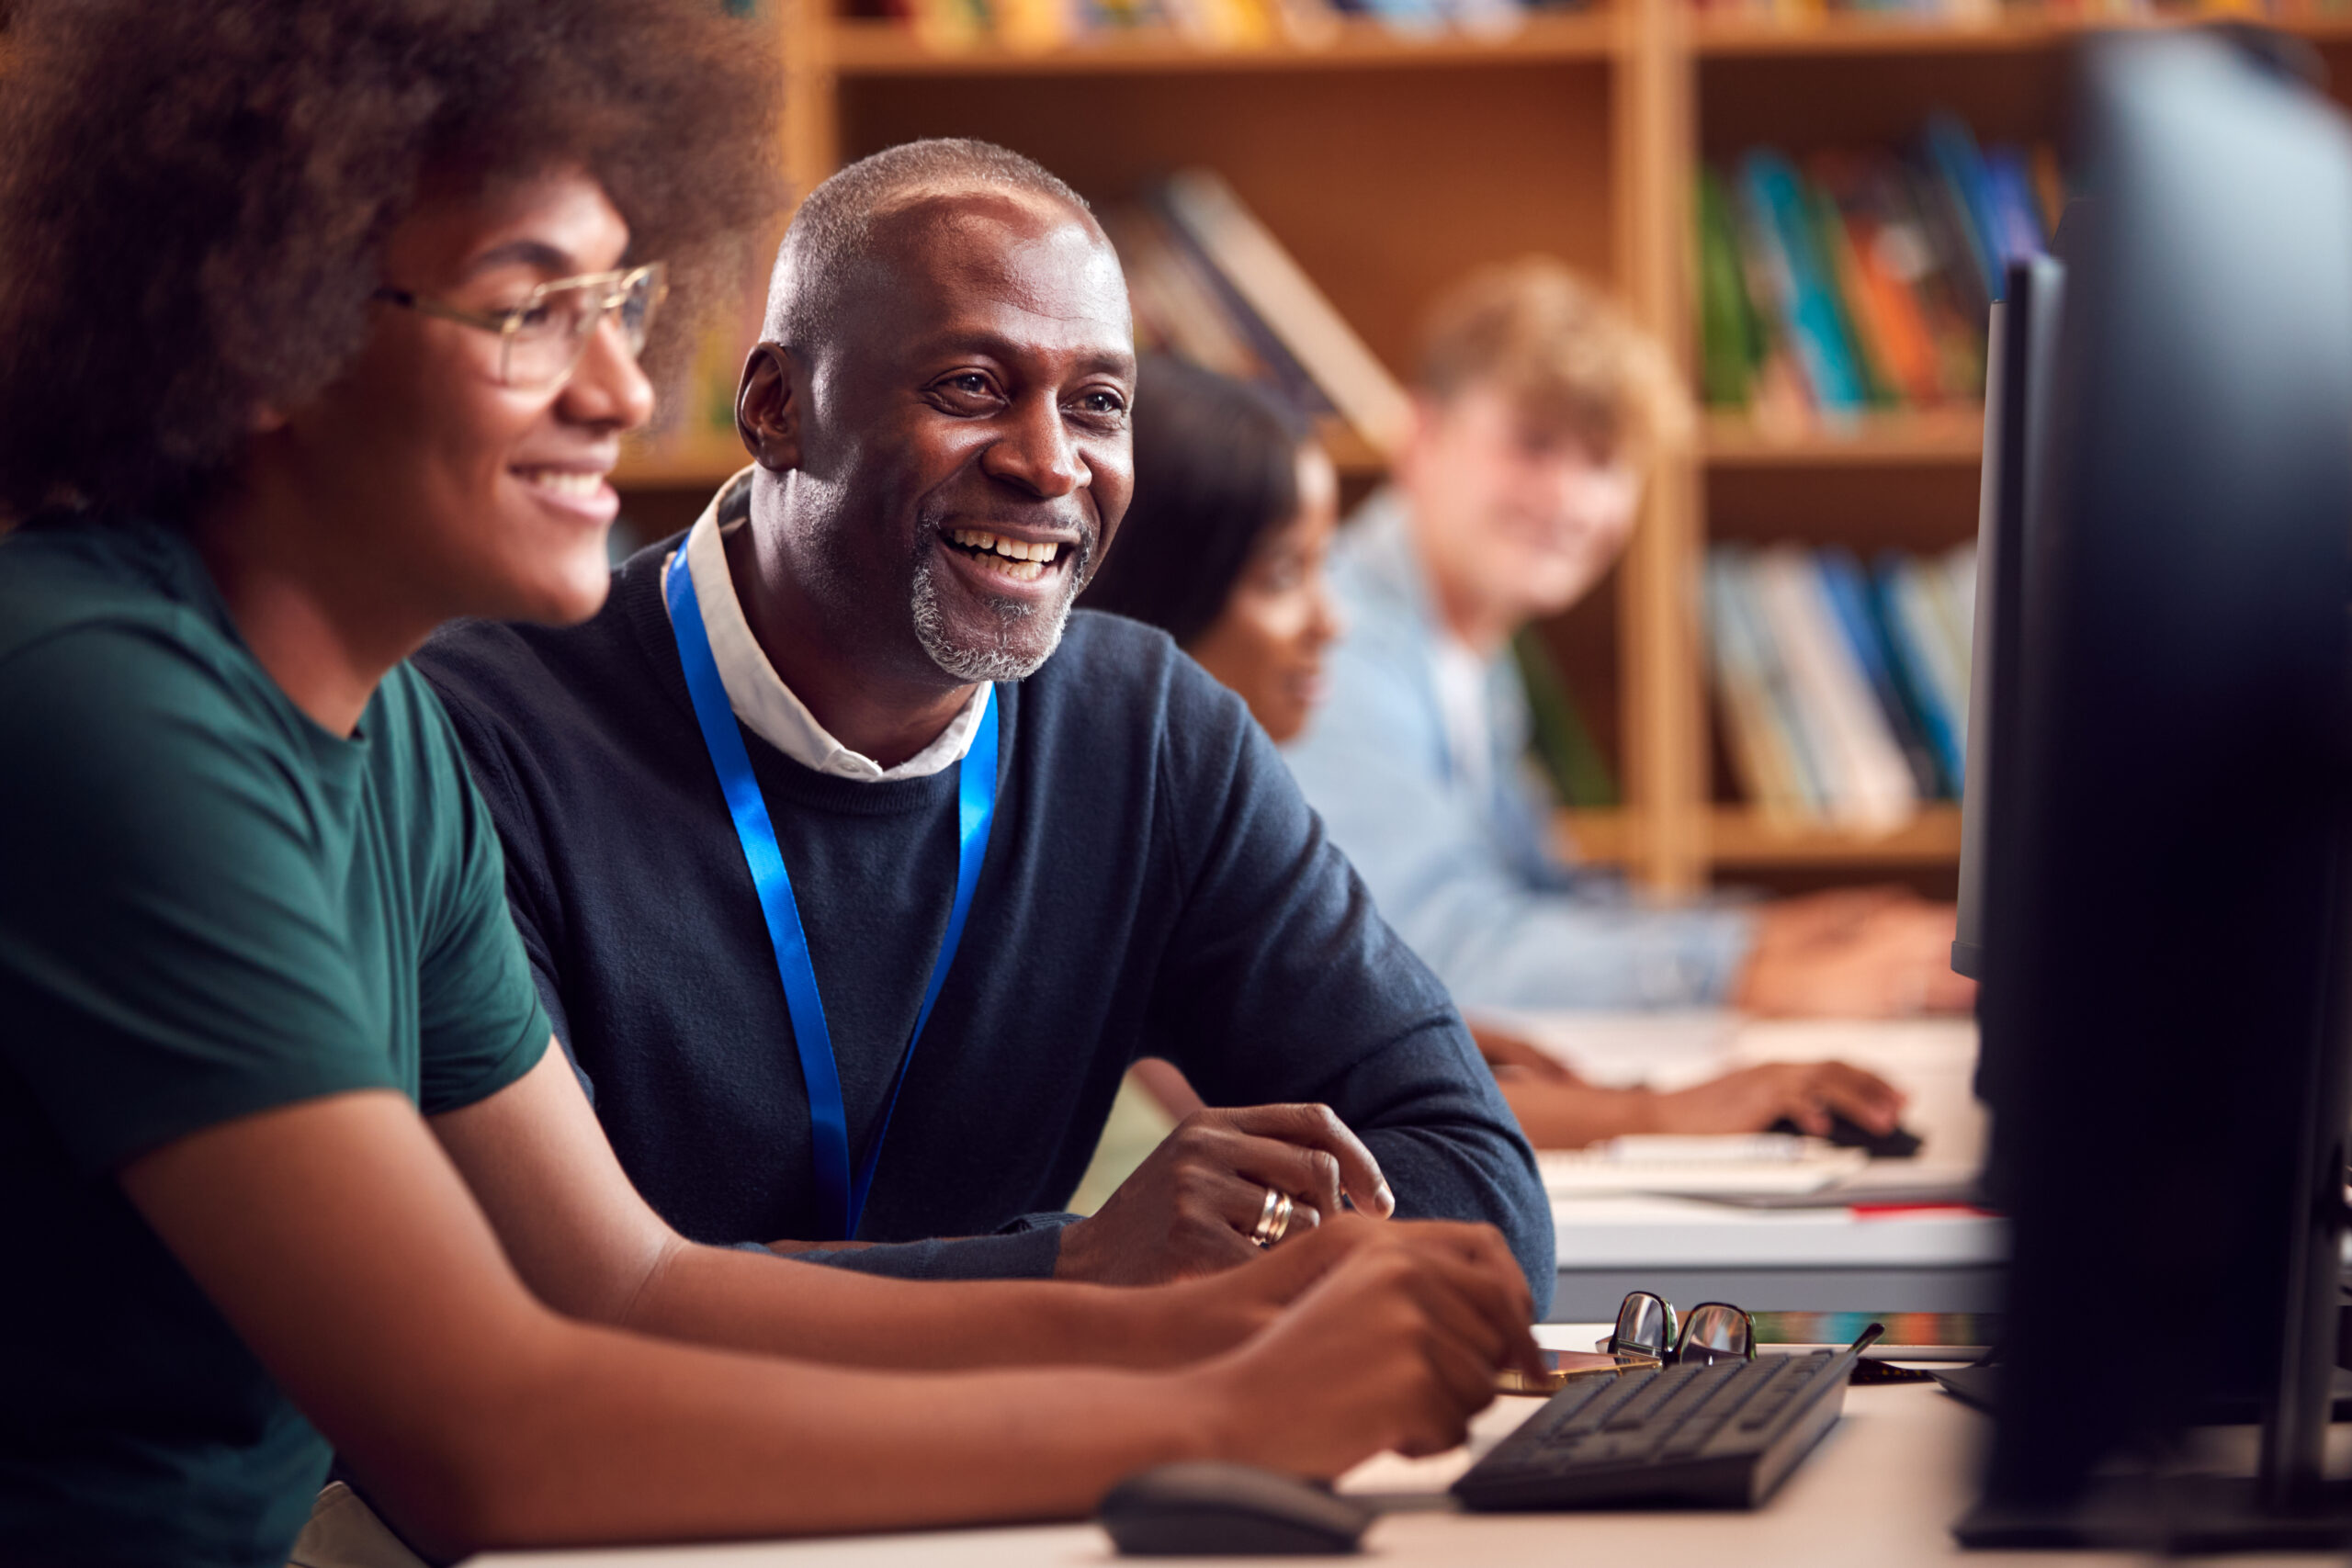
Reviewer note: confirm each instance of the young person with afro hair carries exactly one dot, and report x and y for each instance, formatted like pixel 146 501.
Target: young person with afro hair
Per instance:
pixel 321 324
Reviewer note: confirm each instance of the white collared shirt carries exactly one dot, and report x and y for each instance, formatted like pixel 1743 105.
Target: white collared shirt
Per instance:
pixel 758 694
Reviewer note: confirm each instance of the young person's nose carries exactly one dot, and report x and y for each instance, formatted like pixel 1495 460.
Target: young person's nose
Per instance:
pixel 608 387
pixel 1325 624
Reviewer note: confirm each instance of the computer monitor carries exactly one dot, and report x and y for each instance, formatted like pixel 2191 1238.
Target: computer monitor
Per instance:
pixel 2020 369
pixel 2022 352
pixel 2166 941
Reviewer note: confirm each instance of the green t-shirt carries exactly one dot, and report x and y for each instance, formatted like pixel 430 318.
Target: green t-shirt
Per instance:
pixel 209 906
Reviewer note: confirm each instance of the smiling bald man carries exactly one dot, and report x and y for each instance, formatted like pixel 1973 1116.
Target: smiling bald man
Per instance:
pixel 855 869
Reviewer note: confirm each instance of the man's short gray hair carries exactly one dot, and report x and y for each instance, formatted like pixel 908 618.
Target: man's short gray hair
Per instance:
pixel 825 250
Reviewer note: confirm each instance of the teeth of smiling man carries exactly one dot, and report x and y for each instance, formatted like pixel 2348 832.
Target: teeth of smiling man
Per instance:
pixel 1014 550
pixel 575 483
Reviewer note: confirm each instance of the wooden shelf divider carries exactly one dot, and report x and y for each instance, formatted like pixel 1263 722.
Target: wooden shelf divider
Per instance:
pixel 1909 437
pixel 1740 837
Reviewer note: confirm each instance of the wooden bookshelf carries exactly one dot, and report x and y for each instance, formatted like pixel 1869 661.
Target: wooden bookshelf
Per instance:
pixel 693 462
pixel 1388 164
pixel 1740 837
pixel 1904 439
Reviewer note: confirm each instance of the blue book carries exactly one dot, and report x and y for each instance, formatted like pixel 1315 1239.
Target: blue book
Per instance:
pixel 1763 753
pixel 1915 661
pixel 2018 234
pixel 1848 593
pixel 1959 168
pixel 1786 714
pixel 1809 308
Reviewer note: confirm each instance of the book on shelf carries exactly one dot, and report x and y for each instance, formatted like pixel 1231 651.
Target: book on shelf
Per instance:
pixel 1561 745
pixel 1861 280
pixel 1843 691
pixel 1209 283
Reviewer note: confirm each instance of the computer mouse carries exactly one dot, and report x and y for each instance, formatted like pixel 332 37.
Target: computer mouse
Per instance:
pixel 1898 1143
pixel 1208 1509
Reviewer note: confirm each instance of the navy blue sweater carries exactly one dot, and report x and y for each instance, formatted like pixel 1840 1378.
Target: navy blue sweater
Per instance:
pixel 1154 885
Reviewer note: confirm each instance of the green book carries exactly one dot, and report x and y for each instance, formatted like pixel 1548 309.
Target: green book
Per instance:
pixel 1579 773
pixel 1728 349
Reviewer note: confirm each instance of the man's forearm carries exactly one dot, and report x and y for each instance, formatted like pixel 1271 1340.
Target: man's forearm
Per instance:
pixel 740 1301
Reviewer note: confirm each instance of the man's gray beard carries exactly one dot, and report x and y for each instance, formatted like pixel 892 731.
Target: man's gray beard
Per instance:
pixel 992 663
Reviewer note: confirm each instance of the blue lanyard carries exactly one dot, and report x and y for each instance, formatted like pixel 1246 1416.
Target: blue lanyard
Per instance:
pixel 975 810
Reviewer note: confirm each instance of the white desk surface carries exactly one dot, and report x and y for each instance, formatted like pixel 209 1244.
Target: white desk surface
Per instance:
pixel 1933 1061
pixel 1879 1492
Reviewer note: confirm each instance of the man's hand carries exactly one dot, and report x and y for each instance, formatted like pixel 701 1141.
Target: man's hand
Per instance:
pixel 1863 953
pixel 1395 1345
pixel 1806 1092
pixel 1189 1208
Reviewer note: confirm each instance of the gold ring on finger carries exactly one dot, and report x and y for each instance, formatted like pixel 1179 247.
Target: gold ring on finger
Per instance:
pixel 1272 1218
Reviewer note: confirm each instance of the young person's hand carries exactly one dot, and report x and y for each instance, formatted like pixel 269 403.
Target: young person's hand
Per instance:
pixel 1395 1347
pixel 1863 953
pixel 1189 1207
pixel 1807 1093
pixel 1209 1313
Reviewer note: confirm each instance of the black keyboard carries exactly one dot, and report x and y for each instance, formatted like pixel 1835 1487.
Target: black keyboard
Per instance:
pixel 1712 1437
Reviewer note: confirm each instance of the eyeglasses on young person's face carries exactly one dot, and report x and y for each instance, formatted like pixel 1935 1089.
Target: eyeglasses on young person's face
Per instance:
pixel 540 339
pixel 1715 1331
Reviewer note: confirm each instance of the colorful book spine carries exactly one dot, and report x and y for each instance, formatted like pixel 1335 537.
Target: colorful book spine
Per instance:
pixel 1871 273
pixel 1870 786
pixel 1921 634
pixel 1780 221
pixel 1730 338
pixel 1275 291
pixel 1563 743
pixel 1760 745
pixel 1849 592
pixel 1838 687
pixel 1800 737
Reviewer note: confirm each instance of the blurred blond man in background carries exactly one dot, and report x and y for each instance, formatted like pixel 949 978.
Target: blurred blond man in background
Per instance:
pixel 1538 409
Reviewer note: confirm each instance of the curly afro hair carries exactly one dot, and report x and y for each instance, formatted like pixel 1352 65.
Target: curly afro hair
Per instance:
pixel 196 194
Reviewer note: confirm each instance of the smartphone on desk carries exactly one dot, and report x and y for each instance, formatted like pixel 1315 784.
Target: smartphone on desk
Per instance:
pixel 1562 1367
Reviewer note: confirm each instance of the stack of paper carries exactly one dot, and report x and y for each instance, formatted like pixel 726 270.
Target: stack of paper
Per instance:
pixel 1758 1163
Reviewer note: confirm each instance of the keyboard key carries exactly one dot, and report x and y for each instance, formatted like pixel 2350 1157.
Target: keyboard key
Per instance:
pixel 1563 1406
pixel 1662 1387
pixel 1597 1411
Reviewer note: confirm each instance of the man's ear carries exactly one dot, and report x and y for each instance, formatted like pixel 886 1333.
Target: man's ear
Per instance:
pixel 767 407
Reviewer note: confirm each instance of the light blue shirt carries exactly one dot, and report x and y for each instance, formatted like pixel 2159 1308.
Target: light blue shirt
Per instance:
pixel 1456 850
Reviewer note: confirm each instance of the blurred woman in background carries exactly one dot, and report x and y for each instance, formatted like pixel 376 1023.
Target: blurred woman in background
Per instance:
pixel 1235 508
